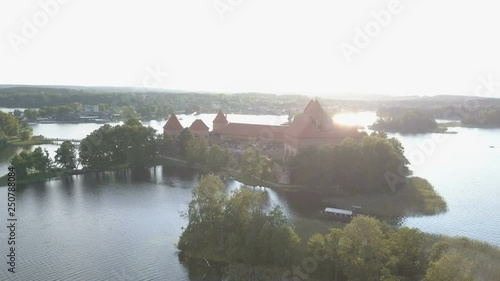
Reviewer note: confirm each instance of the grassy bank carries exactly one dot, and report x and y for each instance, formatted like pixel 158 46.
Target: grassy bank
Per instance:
pixel 36 140
pixel 31 178
pixel 418 198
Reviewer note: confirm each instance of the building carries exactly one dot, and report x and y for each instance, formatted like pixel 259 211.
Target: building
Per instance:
pixel 199 129
pixel 312 128
pixel 173 127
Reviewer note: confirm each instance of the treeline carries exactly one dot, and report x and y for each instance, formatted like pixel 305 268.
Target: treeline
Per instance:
pixel 12 127
pixel 147 103
pixel 255 243
pixel 475 113
pixel 236 228
pixel 148 111
pixel 376 157
pixel 411 121
pixel 134 145
pixel 486 117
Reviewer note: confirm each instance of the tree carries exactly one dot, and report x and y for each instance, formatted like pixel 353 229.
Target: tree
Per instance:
pixel 36 162
pixel 204 217
pixel 236 228
pixel 31 114
pixel 361 249
pixel 165 145
pixel 17 113
pixel 412 121
pixel 25 134
pixel 332 249
pixel 197 150
pixel 255 164
pixel 374 157
pixel 408 252
pixel 450 267
pixel 103 107
pixel 21 163
pixel 9 124
pixel 185 137
pixel 41 161
pixel 128 144
pixel 218 157
pixel 66 155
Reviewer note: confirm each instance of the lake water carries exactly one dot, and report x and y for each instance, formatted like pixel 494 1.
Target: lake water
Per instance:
pixel 123 225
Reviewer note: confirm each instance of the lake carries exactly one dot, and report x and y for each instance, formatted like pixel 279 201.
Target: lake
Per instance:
pixel 123 225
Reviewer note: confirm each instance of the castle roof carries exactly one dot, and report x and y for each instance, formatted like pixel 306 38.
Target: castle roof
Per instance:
pixel 302 127
pixel 173 123
pixel 305 129
pixel 220 118
pixel 199 125
pixel 313 107
pixel 253 130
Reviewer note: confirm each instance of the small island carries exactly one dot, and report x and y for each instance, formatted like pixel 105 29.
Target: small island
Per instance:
pixel 408 122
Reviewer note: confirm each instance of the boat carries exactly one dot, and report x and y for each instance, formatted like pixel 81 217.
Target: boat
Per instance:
pixel 341 214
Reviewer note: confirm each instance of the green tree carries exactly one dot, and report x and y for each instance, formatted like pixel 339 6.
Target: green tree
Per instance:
pixel 64 109
pixel 218 157
pixel 361 249
pixel 197 150
pixel 66 155
pixel 254 163
pixel 31 114
pixel 22 164
pixel 450 267
pixel 411 121
pixel 36 162
pixel 204 218
pixel 25 134
pixel 9 124
pixel 41 161
pixel 165 145
pixel 185 137
pixel 408 253
pixel 332 249
pixel 103 107
pixel 128 144
pixel 76 106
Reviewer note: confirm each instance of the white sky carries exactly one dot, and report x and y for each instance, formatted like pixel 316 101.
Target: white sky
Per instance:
pixel 283 46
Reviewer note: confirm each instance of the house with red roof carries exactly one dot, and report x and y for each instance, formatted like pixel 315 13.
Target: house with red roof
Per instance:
pixel 173 127
pixel 200 129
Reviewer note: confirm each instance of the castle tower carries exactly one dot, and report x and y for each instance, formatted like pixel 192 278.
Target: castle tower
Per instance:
pixel 220 121
pixel 173 127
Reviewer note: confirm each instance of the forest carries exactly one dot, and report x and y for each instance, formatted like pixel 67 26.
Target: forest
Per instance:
pixel 254 241
pixel 411 121
pixel 373 157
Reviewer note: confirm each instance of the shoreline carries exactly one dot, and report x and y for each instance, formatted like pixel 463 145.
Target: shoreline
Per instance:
pixel 417 199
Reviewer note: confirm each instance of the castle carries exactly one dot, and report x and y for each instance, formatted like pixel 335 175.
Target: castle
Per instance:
pixel 313 127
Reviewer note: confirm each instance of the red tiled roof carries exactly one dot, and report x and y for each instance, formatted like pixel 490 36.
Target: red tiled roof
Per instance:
pixel 173 123
pixel 253 130
pixel 313 107
pixel 198 125
pixel 220 118
pixel 305 128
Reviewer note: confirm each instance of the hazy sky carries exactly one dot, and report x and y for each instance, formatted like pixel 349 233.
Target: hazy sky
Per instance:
pixel 426 47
